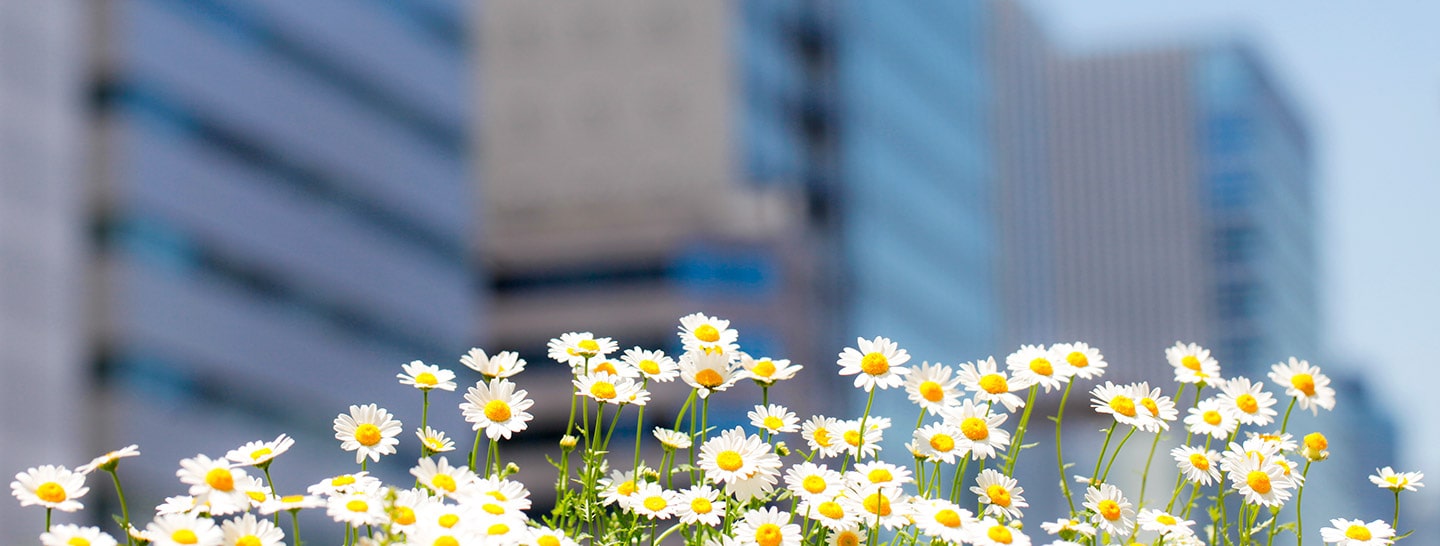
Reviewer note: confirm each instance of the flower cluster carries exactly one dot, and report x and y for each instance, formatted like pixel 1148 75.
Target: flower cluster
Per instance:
pixel 749 486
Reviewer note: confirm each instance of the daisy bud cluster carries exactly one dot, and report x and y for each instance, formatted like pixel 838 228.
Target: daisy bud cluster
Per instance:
pixel 772 477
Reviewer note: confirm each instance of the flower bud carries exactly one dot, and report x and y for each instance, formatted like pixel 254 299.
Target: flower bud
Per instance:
pixel 782 449
pixel 567 442
pixel 1315 447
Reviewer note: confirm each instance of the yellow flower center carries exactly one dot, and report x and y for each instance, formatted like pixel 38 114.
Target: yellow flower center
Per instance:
pixel 426 378
pixel 822 437
pixel 768 535
pixel 602 390
pixel 626 489
pixel 497 411
pixel 852 437
pixel 814 484
pixel 942 443
pixel 498 529
pixel 729 461
pixel 1108 509
pixel 547 540
pixel 948 518
pixel 445 540
pixel 1077 359
pixel 1123 405
pixel 998 495
pixel 51 492
pixel 1150 406
pixel 1200 461
pixel 404 515
pixel 932 391
pixel 877 504
pixel 707 333
pixel 288 499
pixel 259 453
pixel 1001 534
pixel 184 536
pixel 433 443
pixel 1303 382
pixel 342 481
pixel 847 538
pixel 994 383
pixel 701 505
pixel 256 496
pixel 1165 519
pixel 1316 441
pixel 248 540
pixel 975 428
pixel 1190 362
pixel 77 541
pixel 764 368
pixel 220 479
pixel 831 509
pixel 1042 366
pixel 588 346
pixel 1358 532
pixel 443 481
pixel 1247 403
pixel 493 509
pixel 880 475
pixel 497 495
pixel 367 434
pixel 773 423
pixel 649 366
pixel 1212 417
pixel 875 364
pixel 448 520
pixel 656 503
pixel 605 366
pixel 1258 481
pixel 708 378
pixel 357 505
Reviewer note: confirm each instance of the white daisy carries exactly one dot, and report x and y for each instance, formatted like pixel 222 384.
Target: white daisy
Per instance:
pixel 619 488
pixel 850 535
pixel 607 388
pixel 1034 364
pixel 980 432
pixel 549 536
pixel 1247 402
pixel 498 408
pixel 700 504
pixel 1261 482
pixel 774 418
pixel 426 377
pixel 654 502
pixel 357 509
pixel 574 348
pixel 984 378
pixel 820 433
pixel 654 365
pixel 435 440
pixel 744 463
pixel 868 445
pixel 75 535
pixel 706 334
pixel 109 460
pixel 618 368
pixel 808 480
pixel 1310 388
pixel 875 363
pixel 368 431
pixel 1112 512
pixel 932 387
pixel 54 487
pixel 259 453
pixel 767 371
pixel 1119 401
pixel 247 530
pixel 1198 465
pixel 453 517
pixel 181 504
pixel 1000 494
pixel 938 442
pixel 512 493
pixel 1355 532
pixel 1084 361
pixel 1192 363
pixel 673 439
pixel 884 504
pixel 290 502
pixel 345 483
pixel 183 530
pixel 1208 417
pixel 707 372
pixel 1388 478
pixel 768 527
pixel 214 482
pixel 1160 409
pixel 943 520
pixel 832 512
pixel 1065 525
pixel 1162 522
pixel 503 364
pixel 879 473
pixel 443 479
pixel 990 532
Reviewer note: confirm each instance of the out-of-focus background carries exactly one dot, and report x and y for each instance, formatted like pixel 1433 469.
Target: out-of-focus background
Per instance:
pixel 223 221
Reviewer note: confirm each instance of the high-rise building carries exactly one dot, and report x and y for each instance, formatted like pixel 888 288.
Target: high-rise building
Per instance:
pixel 43 402
pixel 282 217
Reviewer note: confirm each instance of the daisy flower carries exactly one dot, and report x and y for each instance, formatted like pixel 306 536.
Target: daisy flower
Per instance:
pixel 448 535
pixel 503 364
pixel 938 442
pixel 832 512
pixel 260 453
pixel 497 407
pixel 847 536
pixel 736 458
pixel 357 509
pixel 673 439
pixel 1034 364
pixel 808 480
pixel 882 503
pixel 510 492
pixel 54 487
pixel 368 431
pixel 990 532
pixel 345 483
pixel 653 365
pixel 706 372
pixel 774 418
pixel 607 388
pixel 1162 522
pixel 1160 409
pixel 619 488
pixel 109 460
pixel 876 363
pixel 439 515
pixel 1208 417
pixel 868 445
pixel 1120 402
pixel 1066 525
pixel 1084 361
pixel 1355 532
pixel 1310 388
pixel 549 536
pixel 1198 465
pixel 617 368
pixel 943 520
pixel 574 348
pixel 932 388
pixel 1316 446
pixel 75 535
pixel 980 432
pixel 183 530
pixel 290 502
pixel 880 473
pixel 1112 511
pixel 706 334
pixel 767 371
pixel 989 384
pixel 443 479
pixel 1000 494
pixel 214 482
pixel 1388 478
pixel 246 530
pixel 425 377
pixel 435 440
pixel 1247 402
pixel 1192 363
pixel 819 432
pixel 181 504
pixel 1261 482
pixel 654 502
pixel 699 504
pixel 768 527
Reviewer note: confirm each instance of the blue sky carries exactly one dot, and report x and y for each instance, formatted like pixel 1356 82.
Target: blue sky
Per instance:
pixel 1366 76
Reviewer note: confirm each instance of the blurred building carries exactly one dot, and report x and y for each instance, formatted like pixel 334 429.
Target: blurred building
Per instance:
pixel 281 217
pixel 43 402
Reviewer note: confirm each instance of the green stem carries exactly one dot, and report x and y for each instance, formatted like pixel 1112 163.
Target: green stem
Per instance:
pixel 955 487
pixel 1059 455
pixel 295 526
pixel 1145 476
pixel 1019 440
pixel 1101 459
pixel 1300 516
pixel 860 447
pixel 124 511
pixel 475 448
pixel 639 431
pixel 1116 454
pixel 1395 521
pixel 48 510
pixel 1286 423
